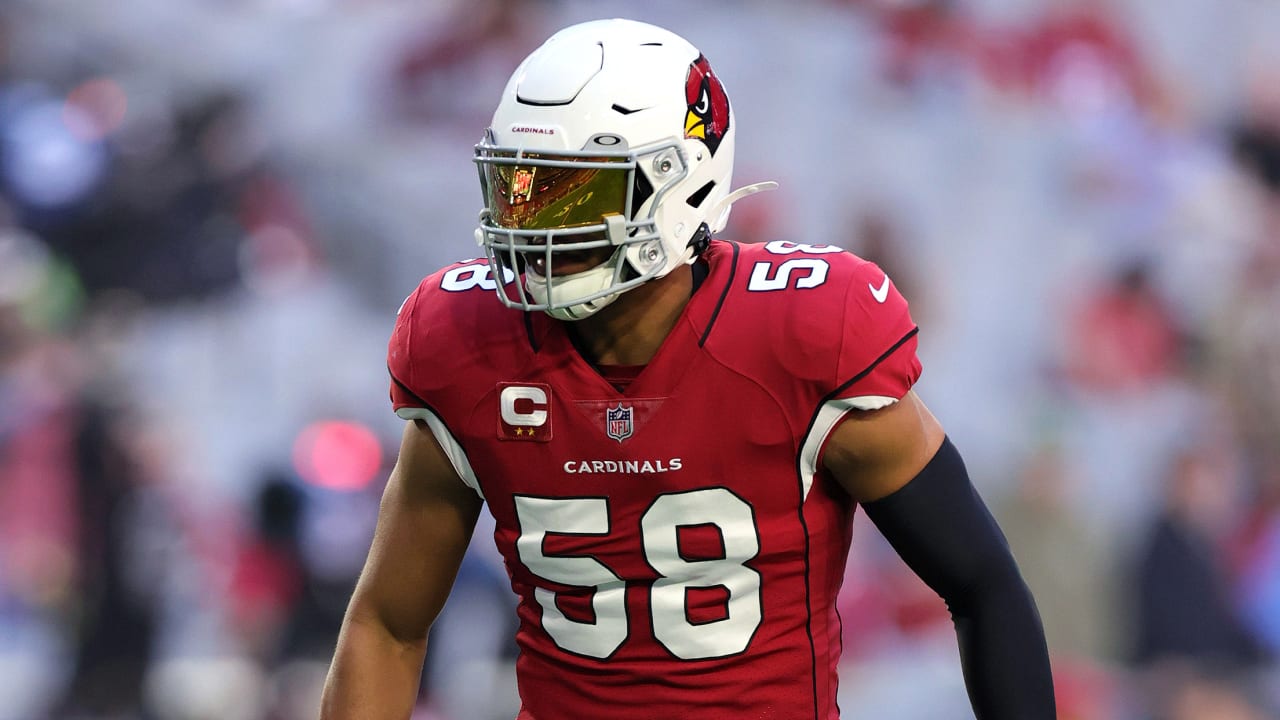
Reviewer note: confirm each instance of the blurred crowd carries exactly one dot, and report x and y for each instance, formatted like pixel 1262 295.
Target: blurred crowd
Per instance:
pixel 210 210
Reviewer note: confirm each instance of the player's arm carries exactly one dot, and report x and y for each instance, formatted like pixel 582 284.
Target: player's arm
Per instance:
pixel 424 525
pixel 898 463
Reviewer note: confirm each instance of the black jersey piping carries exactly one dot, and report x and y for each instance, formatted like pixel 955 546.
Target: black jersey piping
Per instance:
pixel 845 385
pixel 808 596
pixel 724 294
pixel 409 392
pixel 910 334
pixel 528 330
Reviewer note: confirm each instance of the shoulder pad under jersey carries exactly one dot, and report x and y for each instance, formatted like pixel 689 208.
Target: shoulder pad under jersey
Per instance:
pixel 822 317
pixel 449 332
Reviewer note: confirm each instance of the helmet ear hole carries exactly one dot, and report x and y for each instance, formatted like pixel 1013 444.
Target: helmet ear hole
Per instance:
pixel 700 196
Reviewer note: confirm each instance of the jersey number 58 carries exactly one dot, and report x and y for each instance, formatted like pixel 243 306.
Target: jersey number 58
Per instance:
pixel 659 525
pixel 799 273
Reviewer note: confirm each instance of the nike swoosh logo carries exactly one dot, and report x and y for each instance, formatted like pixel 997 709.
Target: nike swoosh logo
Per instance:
pixel 880 293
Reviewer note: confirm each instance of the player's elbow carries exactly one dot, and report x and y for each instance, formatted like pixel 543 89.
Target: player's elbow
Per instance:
pixel 366 618
pixel 995 582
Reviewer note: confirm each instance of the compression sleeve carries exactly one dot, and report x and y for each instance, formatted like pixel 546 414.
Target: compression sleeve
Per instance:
pixel 939 525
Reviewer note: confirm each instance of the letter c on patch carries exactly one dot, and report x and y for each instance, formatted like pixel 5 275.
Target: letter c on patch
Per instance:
pixel 523 406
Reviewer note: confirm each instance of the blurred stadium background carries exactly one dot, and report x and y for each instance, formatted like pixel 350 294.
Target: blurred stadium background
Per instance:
pixel 210 210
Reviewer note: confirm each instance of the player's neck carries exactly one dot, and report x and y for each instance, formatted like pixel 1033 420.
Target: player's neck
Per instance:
pixel 630 330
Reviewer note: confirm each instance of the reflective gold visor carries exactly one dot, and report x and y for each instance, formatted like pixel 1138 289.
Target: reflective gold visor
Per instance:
pixel 538 196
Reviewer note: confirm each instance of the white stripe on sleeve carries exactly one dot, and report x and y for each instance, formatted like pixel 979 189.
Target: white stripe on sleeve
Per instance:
pixel 457 456
pixel 829 416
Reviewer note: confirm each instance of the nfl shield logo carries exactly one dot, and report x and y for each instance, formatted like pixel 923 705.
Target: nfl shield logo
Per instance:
pixel 617 422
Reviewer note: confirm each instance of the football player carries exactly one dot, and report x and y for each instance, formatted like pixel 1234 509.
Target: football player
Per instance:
pixel 672 432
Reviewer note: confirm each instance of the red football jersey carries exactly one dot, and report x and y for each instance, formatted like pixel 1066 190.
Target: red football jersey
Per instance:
pixel 675 550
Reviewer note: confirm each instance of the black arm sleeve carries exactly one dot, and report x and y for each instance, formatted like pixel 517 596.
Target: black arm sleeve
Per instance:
pixel 939 525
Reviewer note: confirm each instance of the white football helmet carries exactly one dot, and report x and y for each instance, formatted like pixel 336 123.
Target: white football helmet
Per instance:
pixel 613 133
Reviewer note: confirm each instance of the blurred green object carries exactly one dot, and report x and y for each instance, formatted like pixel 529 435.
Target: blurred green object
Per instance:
pixel 44 289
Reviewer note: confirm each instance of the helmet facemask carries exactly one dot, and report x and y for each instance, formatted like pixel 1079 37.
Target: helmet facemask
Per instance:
pixel 544 211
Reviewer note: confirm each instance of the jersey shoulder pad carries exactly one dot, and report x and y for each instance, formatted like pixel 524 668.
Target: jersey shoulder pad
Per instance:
pixel 878 360
pixel 829 318
pixel 450 331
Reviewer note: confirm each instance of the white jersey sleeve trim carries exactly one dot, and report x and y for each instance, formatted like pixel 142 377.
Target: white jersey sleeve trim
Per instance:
pixel 452 449
pixel 829 415
pixel 872 402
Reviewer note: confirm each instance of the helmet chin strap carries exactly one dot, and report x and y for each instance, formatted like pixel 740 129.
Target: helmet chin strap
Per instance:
pixel 722 207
